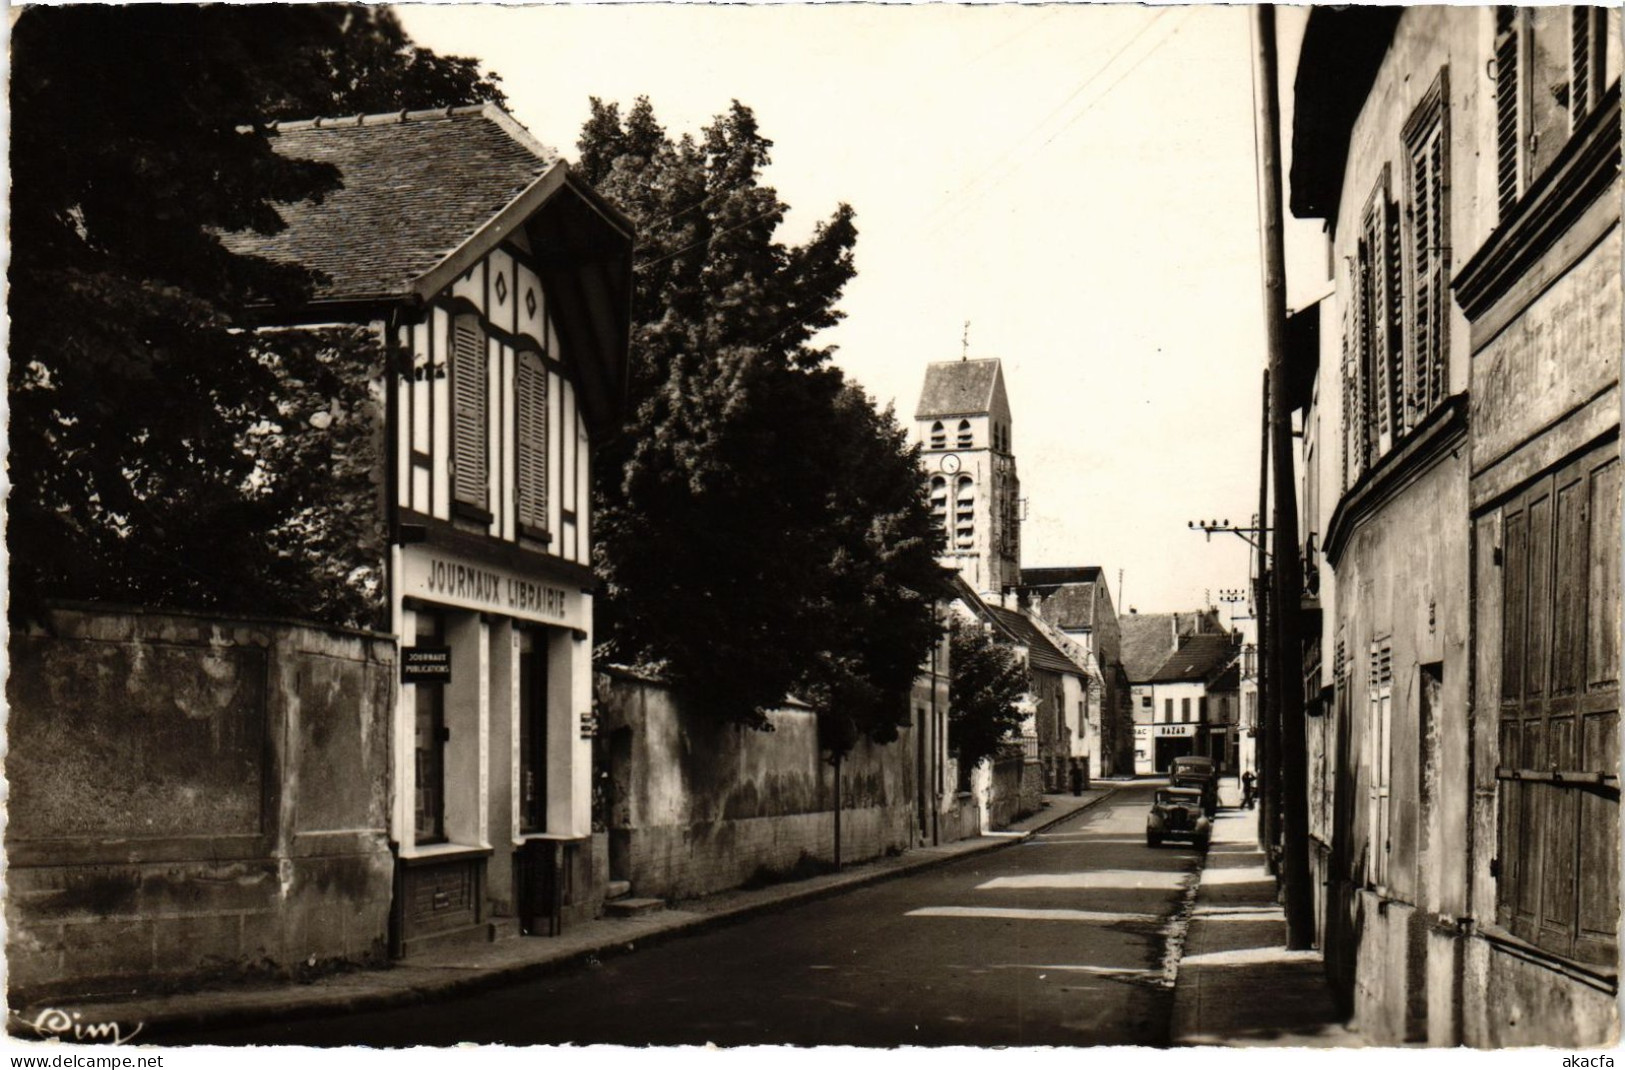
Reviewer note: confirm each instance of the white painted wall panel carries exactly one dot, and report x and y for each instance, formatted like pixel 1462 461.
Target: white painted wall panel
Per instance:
pixel 531 323
pixel 440 444
pixel 554 393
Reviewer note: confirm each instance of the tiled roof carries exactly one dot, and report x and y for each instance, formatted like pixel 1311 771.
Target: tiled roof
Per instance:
pixel 1054 577
pixel 1229 679
pixel 1147 640
pixel 1199 657
pixel 958 388
pixel 1065 597
pixel 1040 651
pixel 417 185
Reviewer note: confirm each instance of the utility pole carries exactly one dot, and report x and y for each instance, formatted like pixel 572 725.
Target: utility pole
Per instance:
pixel 1266 728
pixel 1287 574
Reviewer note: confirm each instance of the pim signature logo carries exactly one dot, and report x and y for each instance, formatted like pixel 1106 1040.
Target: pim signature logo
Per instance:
pixel 66 1025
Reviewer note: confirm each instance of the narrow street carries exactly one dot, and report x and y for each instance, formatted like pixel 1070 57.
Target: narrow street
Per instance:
pixel 1061 940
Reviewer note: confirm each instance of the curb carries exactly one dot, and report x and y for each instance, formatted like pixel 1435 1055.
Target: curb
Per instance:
pixel 479 979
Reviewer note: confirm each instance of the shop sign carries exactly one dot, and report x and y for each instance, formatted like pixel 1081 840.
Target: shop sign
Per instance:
pixel 426 665
pixel 449 579
pixel 589 725
pixel 1164 731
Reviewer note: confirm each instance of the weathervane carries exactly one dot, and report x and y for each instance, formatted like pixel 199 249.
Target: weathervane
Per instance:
pixel 964 343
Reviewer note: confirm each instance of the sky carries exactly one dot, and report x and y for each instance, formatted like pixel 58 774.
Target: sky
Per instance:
pixel 1075 181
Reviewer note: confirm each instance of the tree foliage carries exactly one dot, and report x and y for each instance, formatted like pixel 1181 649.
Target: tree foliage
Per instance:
pixel 986 680
pixel 140 461
pixel 762 529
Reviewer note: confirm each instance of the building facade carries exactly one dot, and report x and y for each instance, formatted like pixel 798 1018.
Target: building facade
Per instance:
pixel 1462 437
pixel 498 287
pixel 1078 603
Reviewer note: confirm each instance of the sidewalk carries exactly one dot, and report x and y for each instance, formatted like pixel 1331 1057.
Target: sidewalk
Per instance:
pixel 1237 984
pixel 481 966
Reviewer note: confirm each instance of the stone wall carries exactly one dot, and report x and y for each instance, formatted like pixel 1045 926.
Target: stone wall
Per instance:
pixel 699 807
pixel 193 797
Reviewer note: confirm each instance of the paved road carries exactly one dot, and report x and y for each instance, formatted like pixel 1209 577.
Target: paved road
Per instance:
pixel 1058 941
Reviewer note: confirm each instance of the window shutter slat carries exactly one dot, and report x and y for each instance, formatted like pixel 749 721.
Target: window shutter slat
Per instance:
pixel 470 477
pixel 1506 107
pixel 531 475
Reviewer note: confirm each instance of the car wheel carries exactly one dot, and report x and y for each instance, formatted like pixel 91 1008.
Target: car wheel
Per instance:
pixel 1153 840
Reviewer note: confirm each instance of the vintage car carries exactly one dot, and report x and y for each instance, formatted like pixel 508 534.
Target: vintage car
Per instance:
pixel 1178 814
pixel 1198 773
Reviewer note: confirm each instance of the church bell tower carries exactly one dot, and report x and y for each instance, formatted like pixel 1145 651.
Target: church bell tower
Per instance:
pixel 963 425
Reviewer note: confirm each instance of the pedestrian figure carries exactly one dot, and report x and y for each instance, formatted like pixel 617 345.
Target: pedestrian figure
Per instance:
pixel 1077 779
pixel 1247 780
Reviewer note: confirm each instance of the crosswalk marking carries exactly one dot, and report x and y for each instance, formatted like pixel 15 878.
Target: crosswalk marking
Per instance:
pixel 1106 878
pixel 1028 914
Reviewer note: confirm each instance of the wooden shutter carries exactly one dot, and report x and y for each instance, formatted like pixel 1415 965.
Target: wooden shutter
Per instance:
pixel 1393 339
pixel 1559 763
pixel 1508 86
pixel 470 467
pixel 1382 757
pixel 1589 30
pixel 530 489
pixel 1426 140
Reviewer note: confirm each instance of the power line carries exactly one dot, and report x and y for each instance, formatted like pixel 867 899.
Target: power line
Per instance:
pixel 1108 90
pixel 1070 97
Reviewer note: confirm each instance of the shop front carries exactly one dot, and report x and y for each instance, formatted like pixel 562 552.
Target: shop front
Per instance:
pixel 493 748
pixel 1172 741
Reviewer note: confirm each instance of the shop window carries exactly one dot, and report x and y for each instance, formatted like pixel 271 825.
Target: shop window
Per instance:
pixel 532 731
pixel 1558 768
pixel 429 780
pixel 530 453
pixel 470 402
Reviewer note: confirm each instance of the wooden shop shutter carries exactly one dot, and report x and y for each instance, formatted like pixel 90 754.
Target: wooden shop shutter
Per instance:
pixel 1559 763
pixel 530 490
pixel 470 467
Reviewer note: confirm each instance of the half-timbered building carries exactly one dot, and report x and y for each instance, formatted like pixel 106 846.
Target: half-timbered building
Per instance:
pixel 497 283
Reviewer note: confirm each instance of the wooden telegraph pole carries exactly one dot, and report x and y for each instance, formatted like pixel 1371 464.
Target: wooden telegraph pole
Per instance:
pixel 1287 681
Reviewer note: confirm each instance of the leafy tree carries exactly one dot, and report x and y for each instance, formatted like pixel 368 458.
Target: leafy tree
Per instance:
pixel 143 426
pixel 761 528
pixel 986 679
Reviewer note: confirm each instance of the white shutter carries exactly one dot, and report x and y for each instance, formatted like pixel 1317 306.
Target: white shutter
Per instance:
pixel 470 474
pixel 531 486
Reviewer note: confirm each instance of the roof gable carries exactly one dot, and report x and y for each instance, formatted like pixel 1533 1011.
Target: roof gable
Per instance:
pixel 963 388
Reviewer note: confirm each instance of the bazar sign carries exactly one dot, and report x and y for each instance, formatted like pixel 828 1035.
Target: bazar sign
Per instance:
pixel 1166 730
pixel 436 576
